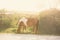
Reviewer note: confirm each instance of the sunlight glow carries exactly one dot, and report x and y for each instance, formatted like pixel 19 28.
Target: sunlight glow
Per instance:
pixel 26 5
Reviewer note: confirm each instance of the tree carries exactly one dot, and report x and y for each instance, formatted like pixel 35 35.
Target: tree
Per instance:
pixel 49 22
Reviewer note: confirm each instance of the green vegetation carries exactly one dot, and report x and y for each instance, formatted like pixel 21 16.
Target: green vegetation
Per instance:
pixel 8 22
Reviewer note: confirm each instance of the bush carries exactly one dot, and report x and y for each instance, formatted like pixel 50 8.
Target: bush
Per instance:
pixel 50 22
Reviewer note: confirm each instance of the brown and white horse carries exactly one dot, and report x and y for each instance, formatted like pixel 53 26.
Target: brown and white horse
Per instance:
pixel 28 22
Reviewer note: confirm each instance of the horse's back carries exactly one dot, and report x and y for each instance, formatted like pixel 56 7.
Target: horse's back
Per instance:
pixel 32 21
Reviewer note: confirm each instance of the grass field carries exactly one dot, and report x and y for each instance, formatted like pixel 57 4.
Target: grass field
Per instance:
pixel 8 23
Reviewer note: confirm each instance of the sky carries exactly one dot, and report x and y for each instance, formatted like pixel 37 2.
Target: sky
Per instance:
pixel 28 5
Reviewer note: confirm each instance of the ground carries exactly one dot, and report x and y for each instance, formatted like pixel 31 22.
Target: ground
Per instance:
pixel 27 37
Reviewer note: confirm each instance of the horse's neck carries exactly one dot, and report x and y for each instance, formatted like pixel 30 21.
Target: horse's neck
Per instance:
pixel 23 21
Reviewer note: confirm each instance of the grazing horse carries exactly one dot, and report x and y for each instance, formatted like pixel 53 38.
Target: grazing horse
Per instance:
pixel 28 22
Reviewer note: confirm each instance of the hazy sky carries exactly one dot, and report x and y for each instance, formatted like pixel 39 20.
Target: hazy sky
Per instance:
pixel 28 5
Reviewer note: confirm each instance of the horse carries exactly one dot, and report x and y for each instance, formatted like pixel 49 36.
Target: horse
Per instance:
pixel 28 22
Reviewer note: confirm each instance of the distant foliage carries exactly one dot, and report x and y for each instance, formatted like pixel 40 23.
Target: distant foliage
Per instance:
pixel 5 22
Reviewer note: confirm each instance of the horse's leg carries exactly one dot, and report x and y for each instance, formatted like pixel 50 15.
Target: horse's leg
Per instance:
pixel 24 28
pixel 37 25
pixel 35 28
pixel 19 29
